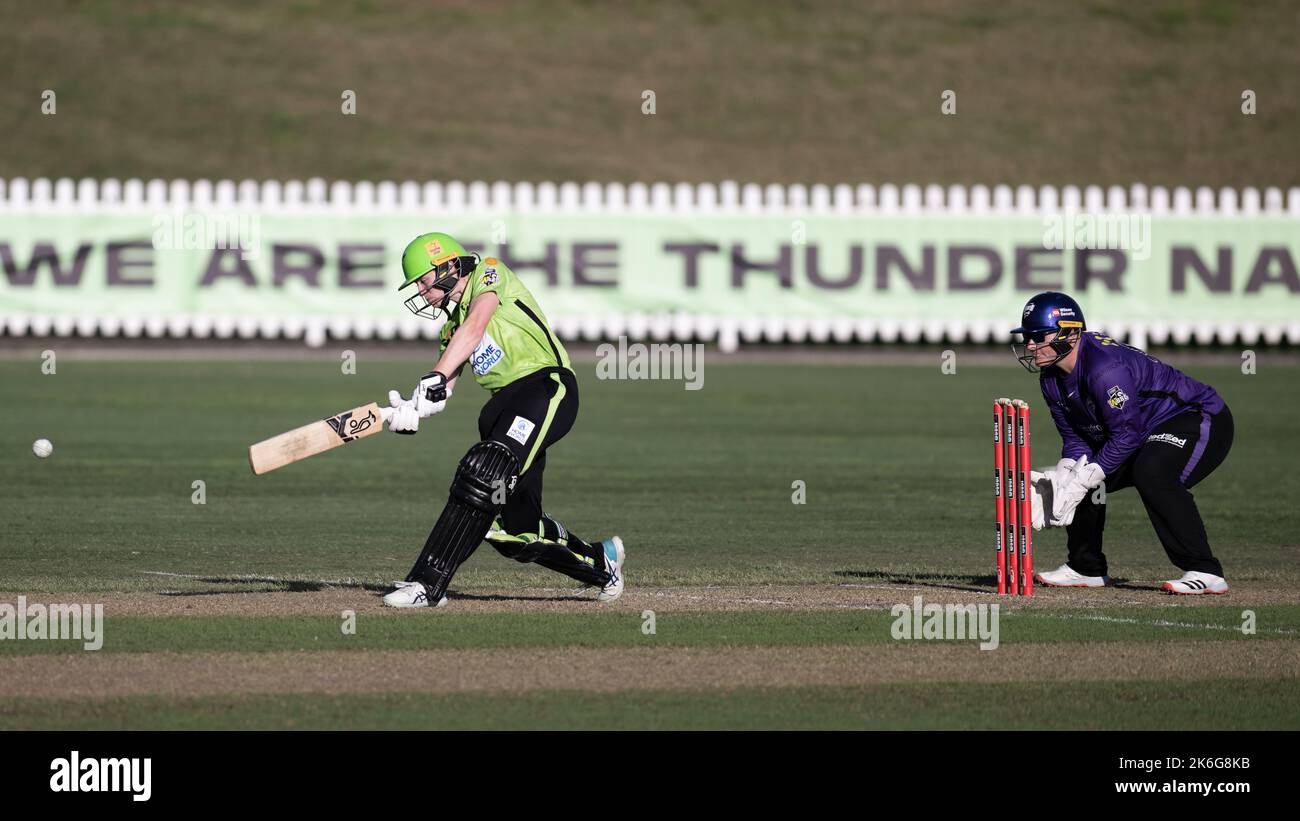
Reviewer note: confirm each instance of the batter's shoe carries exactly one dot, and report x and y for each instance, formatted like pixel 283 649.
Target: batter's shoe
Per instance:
pixel 411 594
pixel 1064 576
pixel 614 556
pixel 1197 584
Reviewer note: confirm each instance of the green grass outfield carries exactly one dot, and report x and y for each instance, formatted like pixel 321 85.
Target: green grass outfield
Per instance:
pixel 896 463
pixel 781 628
pixel 1209 705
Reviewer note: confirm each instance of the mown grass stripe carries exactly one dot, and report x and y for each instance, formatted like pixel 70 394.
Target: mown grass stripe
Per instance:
pixel 1221 704
pixel 413 631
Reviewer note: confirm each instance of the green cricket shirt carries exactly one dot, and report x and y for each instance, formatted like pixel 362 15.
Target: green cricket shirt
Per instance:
pixel 517 341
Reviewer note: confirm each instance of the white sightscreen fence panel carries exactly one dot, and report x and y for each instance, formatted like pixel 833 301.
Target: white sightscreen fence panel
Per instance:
pixel 727 263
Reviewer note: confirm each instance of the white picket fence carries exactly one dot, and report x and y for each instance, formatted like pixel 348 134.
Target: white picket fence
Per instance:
pixel 316 195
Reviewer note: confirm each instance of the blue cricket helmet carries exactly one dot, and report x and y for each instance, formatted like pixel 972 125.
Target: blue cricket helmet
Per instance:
pixel 1050 312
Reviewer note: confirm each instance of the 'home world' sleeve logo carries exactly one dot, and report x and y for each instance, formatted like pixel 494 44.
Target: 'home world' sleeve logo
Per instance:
pixel 486 355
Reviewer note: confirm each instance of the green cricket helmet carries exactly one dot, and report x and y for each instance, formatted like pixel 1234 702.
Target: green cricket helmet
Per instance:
pixel 438 254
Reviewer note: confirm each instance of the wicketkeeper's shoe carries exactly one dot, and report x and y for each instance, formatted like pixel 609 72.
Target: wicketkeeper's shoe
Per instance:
pixel 614 555
pixel 411 594
pixel 1065 576
pixel 1196 584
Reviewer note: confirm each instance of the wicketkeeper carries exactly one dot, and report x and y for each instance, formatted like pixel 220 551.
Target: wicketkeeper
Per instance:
pixel 1126 419
pixel 496 326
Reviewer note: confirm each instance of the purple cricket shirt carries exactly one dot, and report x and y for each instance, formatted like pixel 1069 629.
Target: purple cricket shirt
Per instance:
pixel 1116 396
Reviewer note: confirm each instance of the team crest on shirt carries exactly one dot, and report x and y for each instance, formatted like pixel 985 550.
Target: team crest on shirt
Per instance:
pixel 1117 397
pixel 489 277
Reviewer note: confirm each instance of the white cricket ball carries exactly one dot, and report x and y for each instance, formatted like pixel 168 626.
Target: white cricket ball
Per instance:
pixel 42 448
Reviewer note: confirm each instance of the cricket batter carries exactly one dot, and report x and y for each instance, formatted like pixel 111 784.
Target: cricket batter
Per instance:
pixel 496 327
pixel 1126 419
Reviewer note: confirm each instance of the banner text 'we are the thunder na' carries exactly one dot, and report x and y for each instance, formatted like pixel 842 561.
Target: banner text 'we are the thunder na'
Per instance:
pixel 1129 269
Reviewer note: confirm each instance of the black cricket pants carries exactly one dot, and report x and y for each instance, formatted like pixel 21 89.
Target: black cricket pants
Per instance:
pixel 1176 456
pixel 528 416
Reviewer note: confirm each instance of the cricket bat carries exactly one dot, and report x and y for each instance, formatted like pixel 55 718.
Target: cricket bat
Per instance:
pixel 317 437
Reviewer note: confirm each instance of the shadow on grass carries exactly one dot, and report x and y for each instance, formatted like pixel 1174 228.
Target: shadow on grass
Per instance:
pixel 267 584
pixel 938 581
pixel 974 584
pixel 454 596
pixel 255 584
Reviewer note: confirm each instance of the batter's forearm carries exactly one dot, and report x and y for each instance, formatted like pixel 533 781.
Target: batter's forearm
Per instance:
pixel 451 381
pixel 456 355
pixel 468 336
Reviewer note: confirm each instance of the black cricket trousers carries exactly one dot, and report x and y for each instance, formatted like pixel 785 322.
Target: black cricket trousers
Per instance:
pixel 1176 456
pixel 528 416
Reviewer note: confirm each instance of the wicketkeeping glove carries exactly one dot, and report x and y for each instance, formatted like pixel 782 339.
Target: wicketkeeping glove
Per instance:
pixel 1071 489
pixel 1040 497
pixel 1065 466
pixel 1043 488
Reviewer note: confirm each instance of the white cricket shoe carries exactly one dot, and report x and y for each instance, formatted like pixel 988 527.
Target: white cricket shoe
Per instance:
pixel 411 594
pixel 1194 583
pixel 614 556
pixel 1064 576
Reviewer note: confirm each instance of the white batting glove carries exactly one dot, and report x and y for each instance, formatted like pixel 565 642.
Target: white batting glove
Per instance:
pixel 1071 489
pixel 430 394
pixel 403 418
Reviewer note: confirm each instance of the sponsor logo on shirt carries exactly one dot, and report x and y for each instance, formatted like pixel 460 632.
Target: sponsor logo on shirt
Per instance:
pixel 1168 439
pixel 1117 397
pixel 520 430
pixel 486 355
